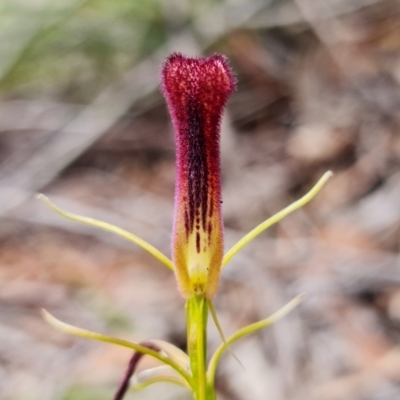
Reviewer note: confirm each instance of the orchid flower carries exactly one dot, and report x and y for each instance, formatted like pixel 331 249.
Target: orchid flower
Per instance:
pixel 196 91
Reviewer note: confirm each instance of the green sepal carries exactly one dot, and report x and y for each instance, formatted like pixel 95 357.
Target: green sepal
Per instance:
pixel 276 218
pixel 159 374
pixel 220 331
pixel 105 226
pixel 247 330
pixel 73 330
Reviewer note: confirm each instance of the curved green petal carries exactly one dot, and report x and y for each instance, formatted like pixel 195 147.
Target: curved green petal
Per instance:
pixel 276 218
pixel 173 352
pixel 72 330
pixel 110 228
pixel 163 373
pixel 220 331
pixel 247 330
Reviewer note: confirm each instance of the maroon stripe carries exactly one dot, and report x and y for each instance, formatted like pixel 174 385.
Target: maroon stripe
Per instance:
pixel 196 90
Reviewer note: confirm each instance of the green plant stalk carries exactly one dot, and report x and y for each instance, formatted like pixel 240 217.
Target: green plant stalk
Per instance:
pixel 196 315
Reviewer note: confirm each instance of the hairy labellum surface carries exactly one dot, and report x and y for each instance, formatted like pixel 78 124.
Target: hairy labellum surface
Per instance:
pixel 196 90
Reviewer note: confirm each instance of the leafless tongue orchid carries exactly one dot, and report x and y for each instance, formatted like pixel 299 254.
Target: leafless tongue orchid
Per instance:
pixel 196 90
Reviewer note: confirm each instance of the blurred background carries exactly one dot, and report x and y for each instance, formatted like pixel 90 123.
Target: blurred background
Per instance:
pixel 83 121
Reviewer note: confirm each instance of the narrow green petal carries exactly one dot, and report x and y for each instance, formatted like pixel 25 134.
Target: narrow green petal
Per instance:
pixel 158 374
pixel 276 218
pixel 72 330
pixel 215 319
pixel 110 228
pixel 220 331
pixel 173 352
pixel 247 330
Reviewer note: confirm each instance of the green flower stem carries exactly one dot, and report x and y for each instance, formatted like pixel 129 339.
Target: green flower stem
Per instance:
pixel 196 314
